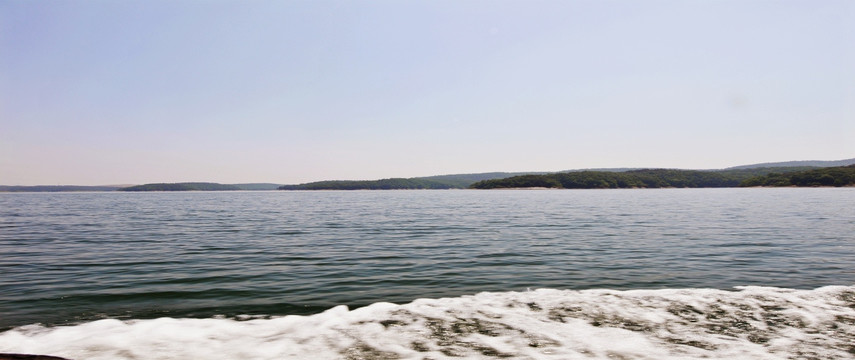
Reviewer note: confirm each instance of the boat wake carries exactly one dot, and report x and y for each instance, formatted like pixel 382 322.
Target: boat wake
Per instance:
pixel 748 323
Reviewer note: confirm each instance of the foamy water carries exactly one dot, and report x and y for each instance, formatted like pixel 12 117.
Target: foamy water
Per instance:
pixel 748 323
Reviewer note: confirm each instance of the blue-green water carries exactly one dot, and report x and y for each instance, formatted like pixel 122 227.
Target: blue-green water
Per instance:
pixel 69 258
pixel 74 256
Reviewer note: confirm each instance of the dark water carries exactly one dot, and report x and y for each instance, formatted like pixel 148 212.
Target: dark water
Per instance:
pixel 74 257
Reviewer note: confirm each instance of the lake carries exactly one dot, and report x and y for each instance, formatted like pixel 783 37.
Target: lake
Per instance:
pixel 633 273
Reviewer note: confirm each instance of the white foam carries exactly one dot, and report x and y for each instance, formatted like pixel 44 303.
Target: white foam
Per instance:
pixel 750 323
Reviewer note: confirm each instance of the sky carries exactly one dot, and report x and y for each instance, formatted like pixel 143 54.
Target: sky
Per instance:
pixel 98 92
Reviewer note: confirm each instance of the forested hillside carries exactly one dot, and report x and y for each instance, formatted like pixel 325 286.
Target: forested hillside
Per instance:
pixel 457 181
pixel 662 178
pixel 384 184
pixel 833 176
pixel 191 186
pixel 656 178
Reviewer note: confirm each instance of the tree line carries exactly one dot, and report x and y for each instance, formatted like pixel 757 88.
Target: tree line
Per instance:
pixel 383 184
pixel 832 176
pixel 672 178
pixel 189 186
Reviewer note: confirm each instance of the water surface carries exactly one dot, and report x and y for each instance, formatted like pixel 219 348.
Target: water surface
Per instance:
pixel 70 258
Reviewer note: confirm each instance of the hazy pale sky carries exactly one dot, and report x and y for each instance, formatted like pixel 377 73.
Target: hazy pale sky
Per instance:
pixel 128 92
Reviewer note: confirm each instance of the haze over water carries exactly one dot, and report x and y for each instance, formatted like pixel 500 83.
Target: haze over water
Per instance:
pixel 72 258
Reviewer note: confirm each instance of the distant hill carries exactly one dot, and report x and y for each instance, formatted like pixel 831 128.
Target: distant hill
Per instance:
pixel 56 188
pixel 646 178
pixel 586 178
pixel 190 186
pixel 826 176
pixel 464 180
pixel 746 173
pixel 812 163
pixel 602 170
pixel 382 184
pixel 454 181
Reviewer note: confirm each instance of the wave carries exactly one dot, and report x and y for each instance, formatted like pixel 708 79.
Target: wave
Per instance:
pixel 746 323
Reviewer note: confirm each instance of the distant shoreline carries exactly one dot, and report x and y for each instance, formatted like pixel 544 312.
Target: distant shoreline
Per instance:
pixel 840 173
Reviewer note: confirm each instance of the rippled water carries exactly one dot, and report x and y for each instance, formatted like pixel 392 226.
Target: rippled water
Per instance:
pixel 67 258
